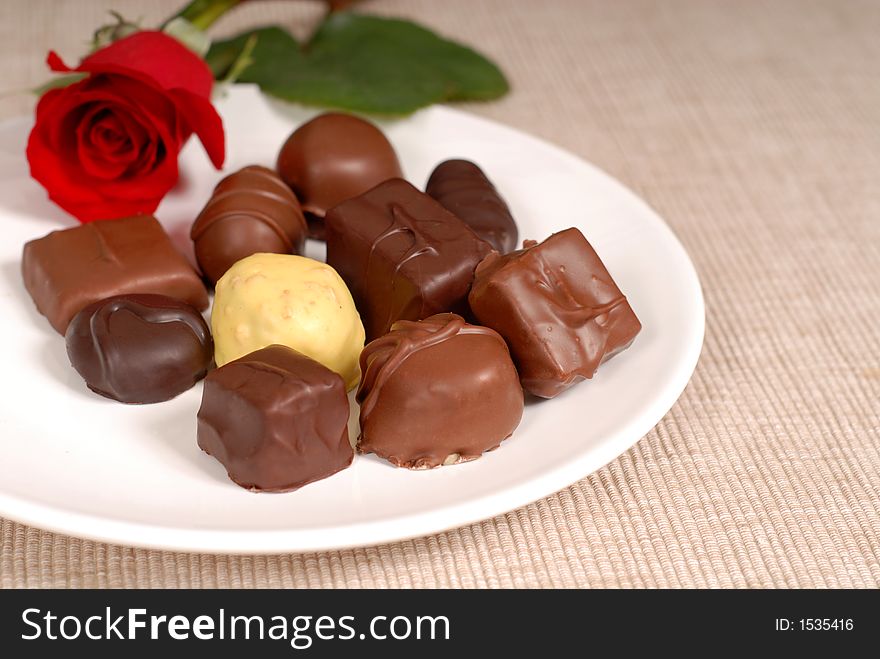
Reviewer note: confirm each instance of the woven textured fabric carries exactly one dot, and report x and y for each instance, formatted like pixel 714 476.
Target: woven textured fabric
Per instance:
pixel 753 128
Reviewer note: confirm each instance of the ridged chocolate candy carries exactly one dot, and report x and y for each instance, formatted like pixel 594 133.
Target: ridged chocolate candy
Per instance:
pixel 464 190
pixel 558 309
pixel 402 255
pixel 438 391
pixel 139 348
pixel 276 420
pixel 332 158
pixel 250 211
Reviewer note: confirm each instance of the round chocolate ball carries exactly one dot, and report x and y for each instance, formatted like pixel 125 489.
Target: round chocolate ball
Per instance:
pixel 250 211
pixel 334 157
pixel 139 348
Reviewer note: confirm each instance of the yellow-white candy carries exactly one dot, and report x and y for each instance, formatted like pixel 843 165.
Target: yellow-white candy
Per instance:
pixel 292 300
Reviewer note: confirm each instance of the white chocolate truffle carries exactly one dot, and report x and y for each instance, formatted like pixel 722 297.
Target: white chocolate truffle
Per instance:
pixel 291 300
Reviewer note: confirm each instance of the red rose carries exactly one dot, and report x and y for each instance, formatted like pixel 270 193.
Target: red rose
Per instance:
pixel 107 146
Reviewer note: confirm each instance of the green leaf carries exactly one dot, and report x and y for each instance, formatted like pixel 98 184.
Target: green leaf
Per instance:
pixel 363 63
pixel 242 61
pixel 272 48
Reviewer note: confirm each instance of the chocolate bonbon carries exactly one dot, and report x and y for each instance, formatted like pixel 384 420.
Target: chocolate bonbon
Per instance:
pixel 334 157
pixel 438 391
pixel 139 348
pixel 275 419
pixel 402 255
pixel 290 300
pixel 71 268
pixel 465 191
pixel 250 211
pixel 558 309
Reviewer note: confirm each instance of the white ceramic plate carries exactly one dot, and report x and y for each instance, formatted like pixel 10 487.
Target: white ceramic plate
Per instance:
pixel 74 462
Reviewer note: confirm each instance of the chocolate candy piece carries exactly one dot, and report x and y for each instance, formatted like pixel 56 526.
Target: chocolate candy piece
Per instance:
pixel 250 211
pixel 402 255
pixel 139 348
pixel 463 189
pixel 332 158
pixel 276 420
pixel 69 269
pixel 437 392
pixel 558 309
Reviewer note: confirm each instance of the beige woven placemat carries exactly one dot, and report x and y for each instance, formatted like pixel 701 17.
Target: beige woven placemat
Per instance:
pixel 754 129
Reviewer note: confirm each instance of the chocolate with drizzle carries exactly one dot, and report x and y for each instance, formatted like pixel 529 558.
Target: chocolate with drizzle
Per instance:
pixel 438 391
pixel 250 211
pixel 402 255
pixel 558 309
pixel 465 191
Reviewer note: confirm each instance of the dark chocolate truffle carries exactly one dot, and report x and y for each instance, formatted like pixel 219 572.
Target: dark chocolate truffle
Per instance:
pixel 402 255
pixel 250 211
pixel 465 191
pixel 69 269
pixel 558 309
pixel 436 392
pixel 332 158
pixel 276 420
pixel 139 348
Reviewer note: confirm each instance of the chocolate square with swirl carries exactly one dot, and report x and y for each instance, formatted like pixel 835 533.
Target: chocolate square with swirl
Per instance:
pixel 558 309
pixel 402 255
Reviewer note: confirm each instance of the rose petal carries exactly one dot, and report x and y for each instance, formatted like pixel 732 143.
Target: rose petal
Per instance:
pixel 108 135
pixel 202 118
pixel 84 202
pixel 55 63
pixel 118 137
pixel 98 160
pixel 148 55
pixel 87 164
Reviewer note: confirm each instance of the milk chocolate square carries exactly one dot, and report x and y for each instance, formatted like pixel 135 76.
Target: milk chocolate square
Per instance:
pixel 70 269
pixel 558 309
pixel 402 255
